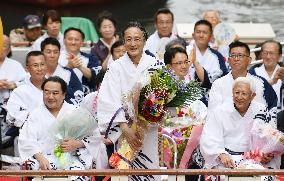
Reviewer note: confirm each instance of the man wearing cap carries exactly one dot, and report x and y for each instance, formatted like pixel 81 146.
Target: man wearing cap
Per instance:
pixel 29 33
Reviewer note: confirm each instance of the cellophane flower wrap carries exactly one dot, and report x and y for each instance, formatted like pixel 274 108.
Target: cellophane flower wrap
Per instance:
pixel 185 129
pixel 75 124
pixel 266 138
pixel 147 104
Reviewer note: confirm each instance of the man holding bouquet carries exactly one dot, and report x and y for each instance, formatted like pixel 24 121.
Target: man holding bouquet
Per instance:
pixel 38 140
pixel 119 80
pixel 227 132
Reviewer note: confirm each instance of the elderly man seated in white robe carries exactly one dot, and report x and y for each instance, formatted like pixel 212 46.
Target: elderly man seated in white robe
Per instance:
pixel 37 144
pixel 226 134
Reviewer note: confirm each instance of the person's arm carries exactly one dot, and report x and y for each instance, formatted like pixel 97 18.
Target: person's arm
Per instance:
pixel 133 140
pixel 43 162
pixel 198 68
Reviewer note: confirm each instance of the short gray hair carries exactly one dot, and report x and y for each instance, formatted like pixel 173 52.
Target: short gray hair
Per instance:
pixel 245 80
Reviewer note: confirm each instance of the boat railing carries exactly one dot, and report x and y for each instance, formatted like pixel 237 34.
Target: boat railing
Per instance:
pixel 172 174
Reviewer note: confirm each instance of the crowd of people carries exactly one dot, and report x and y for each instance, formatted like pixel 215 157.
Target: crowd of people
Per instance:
pixel 58 78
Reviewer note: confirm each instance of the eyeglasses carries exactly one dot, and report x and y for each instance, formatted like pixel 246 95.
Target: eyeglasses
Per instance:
pixel 181 63
pixel 265 53
pixel 240 56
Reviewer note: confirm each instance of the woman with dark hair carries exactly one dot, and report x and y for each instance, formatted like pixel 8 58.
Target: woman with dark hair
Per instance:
pixel 106 25
pixel 51 22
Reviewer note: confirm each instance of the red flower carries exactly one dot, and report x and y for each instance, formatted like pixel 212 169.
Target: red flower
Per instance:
pixel 114 160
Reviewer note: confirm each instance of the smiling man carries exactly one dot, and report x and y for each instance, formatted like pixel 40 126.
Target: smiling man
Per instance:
pixel 85 66
pixel 239 59
pixel 226 136
pixel 164 22
pixel 122 75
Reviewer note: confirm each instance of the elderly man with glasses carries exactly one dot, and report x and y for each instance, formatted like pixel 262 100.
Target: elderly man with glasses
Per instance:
pixel 271 69
pixel 239 59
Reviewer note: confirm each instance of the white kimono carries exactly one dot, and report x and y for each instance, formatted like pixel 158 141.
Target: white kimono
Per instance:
pixel 121 77
pixel 37 44
pixel 209 61
pixel 35 138
pixel 277 87
pixel 12 71
pixel 22 101
pixel 227 129
pixel 64 61
pixel 153 42
pixel 221 90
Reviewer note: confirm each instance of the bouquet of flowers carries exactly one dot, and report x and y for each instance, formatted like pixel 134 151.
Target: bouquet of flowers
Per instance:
pixel 185 129
pixel 149 105
pixel 266 138
pixel 75 124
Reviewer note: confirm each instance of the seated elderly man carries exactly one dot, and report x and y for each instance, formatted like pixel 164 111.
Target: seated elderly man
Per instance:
pixel 226 133
pixel 37 144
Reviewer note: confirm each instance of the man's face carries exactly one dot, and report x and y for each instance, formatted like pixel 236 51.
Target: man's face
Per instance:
pixel 202 35
pixel 33 34
pixel 73 41
pixel 107 29
pixel 51 54
pixel 164 25
pixel 212 17
pixel 270 55
pixel 242 96
pixel 53 97
pixel 134 42
pixel 180 65
pixel 53 28
pixel 37 67
pixel 6 48
pixel 118 52
pixel 239 59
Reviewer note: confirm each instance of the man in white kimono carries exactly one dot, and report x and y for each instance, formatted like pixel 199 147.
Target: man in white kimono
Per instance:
pixel 28 96
pixel 164 21
pixel 37 144
pixel 12 74
pixel 271 53
pixel 239 59
pixel 226 134
pixel 120 79
pixel 85 66
pixel 51 51
pixel 211 60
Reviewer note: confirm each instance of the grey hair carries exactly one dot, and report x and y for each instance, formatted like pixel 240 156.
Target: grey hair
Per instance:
pixel 215 11
pixel 245 80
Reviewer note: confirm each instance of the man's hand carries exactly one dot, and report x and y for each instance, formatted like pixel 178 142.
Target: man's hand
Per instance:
pixel 134 141
pixel 106 141
pixel 266 158
pixel 226 160
pixel 6 85
pixel 43 162
pixel 69 145
pixel 73 61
